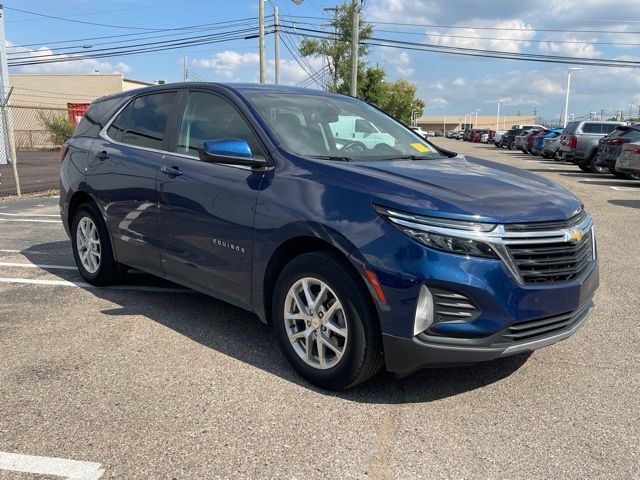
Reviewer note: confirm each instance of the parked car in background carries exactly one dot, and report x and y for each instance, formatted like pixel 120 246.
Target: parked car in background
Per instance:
pixel 628 161
pixel 550 143
pixel 610 147
pixel 531 139
pixel 404 256
pixel 419 131
pixel 498 136
pixel 475 135
pixel 539 141
pixel 508 138
pixel 519 141
pixel 431 133
pixel 579 143
pixel 359 133
pixel 526 127
pixel 466 135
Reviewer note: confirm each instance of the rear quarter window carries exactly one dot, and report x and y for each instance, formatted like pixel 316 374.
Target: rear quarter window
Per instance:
pixel 96 117
pixel 594 127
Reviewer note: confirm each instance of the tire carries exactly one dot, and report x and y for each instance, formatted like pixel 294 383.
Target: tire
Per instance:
pixel 107 271
pixel 361 345
pixel 620 175
pixel 585 167
pixel 595 168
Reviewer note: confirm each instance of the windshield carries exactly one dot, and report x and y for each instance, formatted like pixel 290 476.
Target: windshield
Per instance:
pixel 337 128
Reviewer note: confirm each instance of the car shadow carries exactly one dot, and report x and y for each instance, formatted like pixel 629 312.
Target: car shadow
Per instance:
pixel 626 203
pixel 612 182
pixel 239 334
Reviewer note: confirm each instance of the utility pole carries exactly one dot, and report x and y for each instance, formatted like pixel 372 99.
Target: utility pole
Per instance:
pixel 601 114
pixel 185 70
pixel 444 124
pixel 355 41
pixel 334 68
pixel 276 36
pixel 261 49
pixel 630 107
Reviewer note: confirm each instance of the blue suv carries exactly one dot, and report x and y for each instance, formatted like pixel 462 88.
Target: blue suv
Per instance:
pixel 360 254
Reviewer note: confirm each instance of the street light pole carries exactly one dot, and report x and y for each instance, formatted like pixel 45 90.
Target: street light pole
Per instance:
pixel 630 108
pixel 478 110
pixel 498 114
pixel 566 101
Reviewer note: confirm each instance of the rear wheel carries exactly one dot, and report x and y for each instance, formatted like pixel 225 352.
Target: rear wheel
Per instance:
pixel 325 322
pixel 595 168
pixel 92 247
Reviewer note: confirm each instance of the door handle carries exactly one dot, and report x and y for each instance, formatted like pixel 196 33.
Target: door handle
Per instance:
pixel 103 155
pixel 171 171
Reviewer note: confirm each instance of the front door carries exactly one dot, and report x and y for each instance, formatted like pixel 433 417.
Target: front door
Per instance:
pixel 206 210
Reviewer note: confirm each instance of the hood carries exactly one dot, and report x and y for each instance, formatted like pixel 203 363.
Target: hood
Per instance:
pixel 459 187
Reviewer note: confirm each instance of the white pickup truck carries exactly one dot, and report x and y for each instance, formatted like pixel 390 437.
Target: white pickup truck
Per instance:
pixel 350 128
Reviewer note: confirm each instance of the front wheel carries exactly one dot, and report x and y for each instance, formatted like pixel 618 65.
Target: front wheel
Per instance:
pixel 595 168
pixel 325 322
pixel 92 247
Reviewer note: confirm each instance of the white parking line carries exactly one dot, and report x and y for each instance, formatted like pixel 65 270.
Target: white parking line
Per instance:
pixel 30 215
pixel 29 220
pixel 60 467
pixel 633 189
pixel 36 265
pixel 67 283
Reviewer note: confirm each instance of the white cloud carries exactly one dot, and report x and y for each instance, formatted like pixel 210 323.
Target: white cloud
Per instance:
pixel 226 63
pixel 86 65
pixel 512 40
pixel 439 101
pixel 459 82
pixel 399 59
pixel 585 50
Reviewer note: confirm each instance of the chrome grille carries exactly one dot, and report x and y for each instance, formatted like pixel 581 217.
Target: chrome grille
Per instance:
pixel 550 260
pixel 553 225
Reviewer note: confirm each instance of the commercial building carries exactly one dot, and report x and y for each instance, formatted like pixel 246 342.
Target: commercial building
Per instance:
pixel 458 122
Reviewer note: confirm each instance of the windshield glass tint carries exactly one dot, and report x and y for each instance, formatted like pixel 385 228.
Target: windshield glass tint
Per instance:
pixel 332 126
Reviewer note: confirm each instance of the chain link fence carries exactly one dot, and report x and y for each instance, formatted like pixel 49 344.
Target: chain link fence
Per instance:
pixel 30 145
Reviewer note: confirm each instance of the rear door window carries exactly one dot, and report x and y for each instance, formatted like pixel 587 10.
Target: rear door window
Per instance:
pixel 144 121
pixel 595 127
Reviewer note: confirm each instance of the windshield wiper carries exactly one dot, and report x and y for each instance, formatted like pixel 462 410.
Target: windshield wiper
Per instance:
pixel 409 157
pixel 341 158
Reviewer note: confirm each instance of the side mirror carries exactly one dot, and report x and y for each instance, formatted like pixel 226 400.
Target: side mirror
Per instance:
pixel 229 150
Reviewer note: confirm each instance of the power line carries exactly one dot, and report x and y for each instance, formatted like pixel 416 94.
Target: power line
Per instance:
pixel 76 21
pixel 203 26
pixel 35 56
pixel 471 27
pixel 384 42
pixel 471 37
pixel 219 38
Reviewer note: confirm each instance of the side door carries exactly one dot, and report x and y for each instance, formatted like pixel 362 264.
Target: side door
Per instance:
pixel 206 210
pixel 122 174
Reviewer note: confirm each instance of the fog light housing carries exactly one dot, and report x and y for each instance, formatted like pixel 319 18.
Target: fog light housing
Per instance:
pixel 424 311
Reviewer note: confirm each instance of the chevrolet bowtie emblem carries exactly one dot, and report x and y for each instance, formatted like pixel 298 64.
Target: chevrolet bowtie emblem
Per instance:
pixel 576 236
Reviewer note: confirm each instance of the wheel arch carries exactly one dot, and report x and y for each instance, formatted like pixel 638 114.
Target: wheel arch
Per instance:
pixel 299 245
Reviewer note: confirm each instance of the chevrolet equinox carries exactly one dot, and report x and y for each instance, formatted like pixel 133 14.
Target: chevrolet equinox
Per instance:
pixel 363 244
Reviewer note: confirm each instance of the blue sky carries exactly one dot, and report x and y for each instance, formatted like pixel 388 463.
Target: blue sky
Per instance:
pixel 450 84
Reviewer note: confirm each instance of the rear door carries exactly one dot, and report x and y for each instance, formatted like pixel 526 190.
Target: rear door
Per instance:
pixel 122 174
pixel 206 210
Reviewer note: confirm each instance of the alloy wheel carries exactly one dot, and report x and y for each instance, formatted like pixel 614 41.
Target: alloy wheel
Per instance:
pixel 88 245
pixel 316 323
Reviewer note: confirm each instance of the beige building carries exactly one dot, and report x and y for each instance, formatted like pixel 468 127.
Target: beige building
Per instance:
pixel 457 122
pixel 35 95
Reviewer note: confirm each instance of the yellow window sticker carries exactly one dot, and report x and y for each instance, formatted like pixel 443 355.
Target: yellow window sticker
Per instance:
pixel 419 147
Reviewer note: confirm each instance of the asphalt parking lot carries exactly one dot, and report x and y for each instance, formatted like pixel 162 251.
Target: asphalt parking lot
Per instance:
pixel 152 381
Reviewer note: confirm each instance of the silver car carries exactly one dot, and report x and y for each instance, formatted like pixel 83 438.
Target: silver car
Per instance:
pixel 518 143
pixel 629 160
pixel 550 146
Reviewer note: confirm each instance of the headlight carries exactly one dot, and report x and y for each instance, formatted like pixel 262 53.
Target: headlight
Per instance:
pixel 462 246
pixel 454 236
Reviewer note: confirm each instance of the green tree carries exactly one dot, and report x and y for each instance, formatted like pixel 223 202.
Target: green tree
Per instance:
pixel 400 100
pixel 396 98
pixel 337 48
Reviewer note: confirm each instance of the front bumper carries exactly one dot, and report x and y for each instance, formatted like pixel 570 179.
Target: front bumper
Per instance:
pixel 406 355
